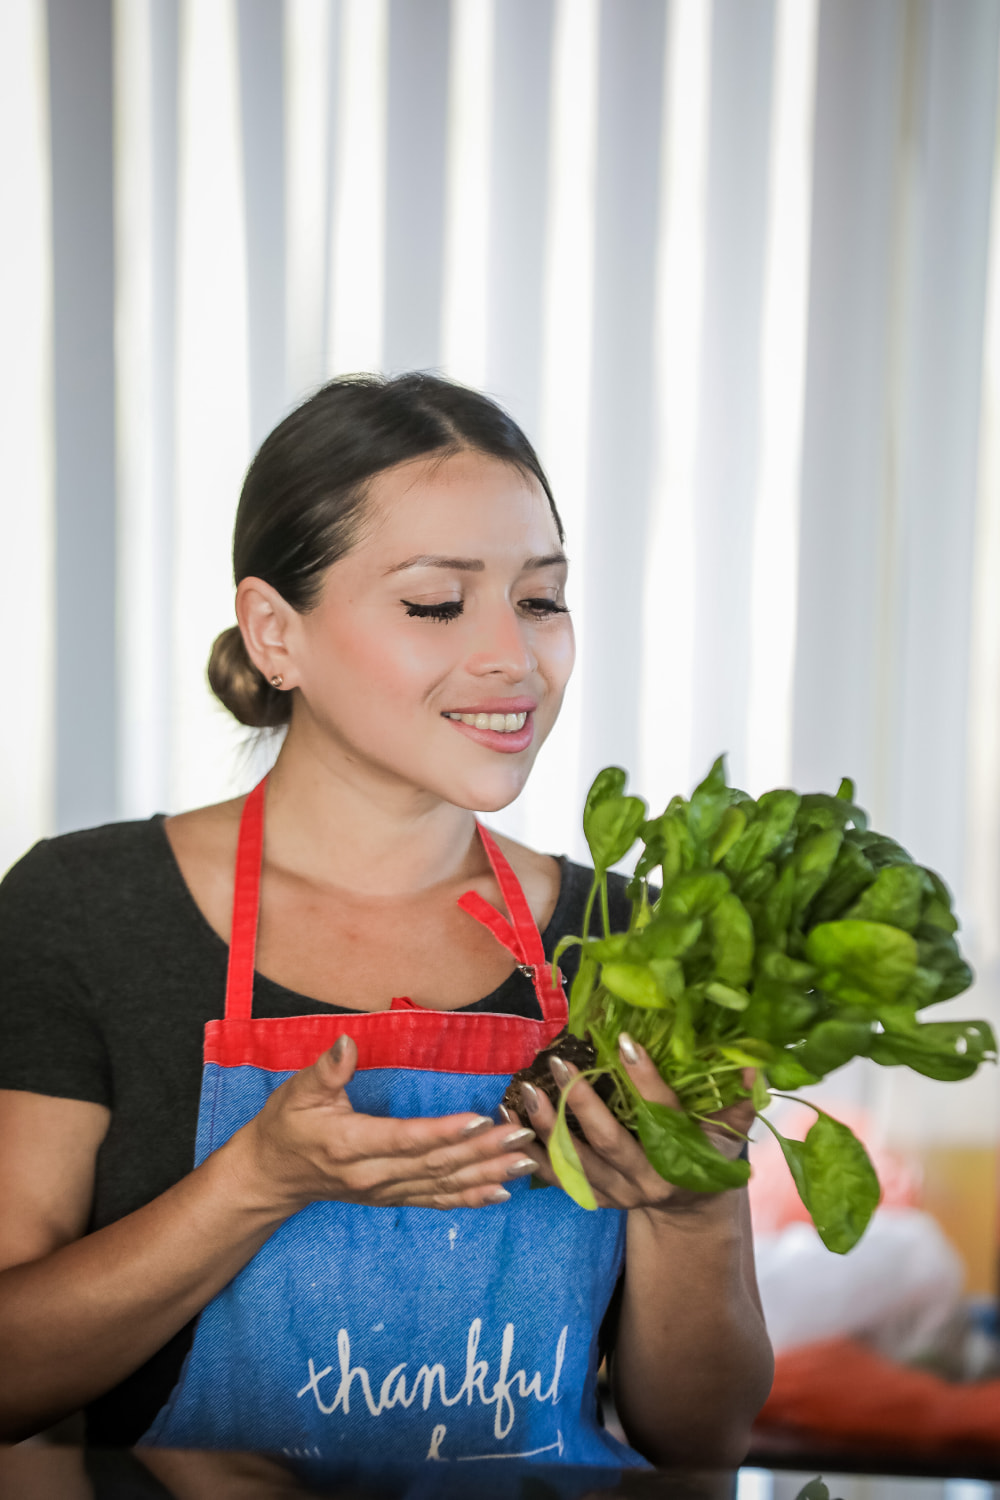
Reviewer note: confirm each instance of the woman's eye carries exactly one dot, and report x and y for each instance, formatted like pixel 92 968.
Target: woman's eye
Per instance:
pixel 450 610
pixel 543 607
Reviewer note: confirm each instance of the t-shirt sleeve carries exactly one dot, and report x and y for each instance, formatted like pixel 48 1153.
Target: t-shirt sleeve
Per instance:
pixel 50 1040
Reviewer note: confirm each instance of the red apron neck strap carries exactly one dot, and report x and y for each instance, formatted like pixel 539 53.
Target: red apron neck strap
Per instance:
pixel 522 939
pixel 246 905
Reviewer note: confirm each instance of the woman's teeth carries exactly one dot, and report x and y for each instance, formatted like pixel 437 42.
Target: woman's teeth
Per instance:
pixel 499 723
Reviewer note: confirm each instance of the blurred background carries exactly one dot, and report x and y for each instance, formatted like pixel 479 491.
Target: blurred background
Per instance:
pixel 733 264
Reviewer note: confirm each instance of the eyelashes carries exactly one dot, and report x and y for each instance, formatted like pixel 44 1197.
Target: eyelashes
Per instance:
pixel 538 609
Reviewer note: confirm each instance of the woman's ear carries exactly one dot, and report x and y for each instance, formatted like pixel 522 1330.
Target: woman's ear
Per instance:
pixel 266 620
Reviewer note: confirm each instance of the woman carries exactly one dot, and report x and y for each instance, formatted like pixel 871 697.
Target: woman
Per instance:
pixel 357 1265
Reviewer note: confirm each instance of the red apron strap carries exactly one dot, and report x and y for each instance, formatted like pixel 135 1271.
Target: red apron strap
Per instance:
pixel 246 904
pixel 522 939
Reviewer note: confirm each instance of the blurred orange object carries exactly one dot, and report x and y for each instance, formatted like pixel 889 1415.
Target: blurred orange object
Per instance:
pixel 845 1391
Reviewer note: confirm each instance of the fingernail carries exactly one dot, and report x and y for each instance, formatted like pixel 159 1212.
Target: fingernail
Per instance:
pixel 505 1115
pixel 530 1096
pixel 628 1049
pixel 522 1168
pixel 498 1195
pixel 560 1072
pixel 481 1122
pixel 339 1046
pixel 519 1137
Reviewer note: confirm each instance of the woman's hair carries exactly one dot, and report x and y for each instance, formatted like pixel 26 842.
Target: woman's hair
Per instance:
pixel 303 502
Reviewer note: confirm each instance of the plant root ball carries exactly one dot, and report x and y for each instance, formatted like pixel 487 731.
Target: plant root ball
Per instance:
pixel 571 1049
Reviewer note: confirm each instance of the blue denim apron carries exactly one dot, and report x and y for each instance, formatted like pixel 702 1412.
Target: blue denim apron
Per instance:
pixel 363 1335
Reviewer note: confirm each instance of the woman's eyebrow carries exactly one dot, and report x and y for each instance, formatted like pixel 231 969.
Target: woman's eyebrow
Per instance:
pixel 472 564
pixel 457 564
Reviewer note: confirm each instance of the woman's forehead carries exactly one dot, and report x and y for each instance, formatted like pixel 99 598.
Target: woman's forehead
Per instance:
pixel 445 506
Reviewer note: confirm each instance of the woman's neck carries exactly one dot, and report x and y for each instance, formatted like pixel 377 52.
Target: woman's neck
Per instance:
pixel 335 820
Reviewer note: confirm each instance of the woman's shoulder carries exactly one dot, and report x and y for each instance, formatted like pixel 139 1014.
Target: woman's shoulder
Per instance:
pixel 88 857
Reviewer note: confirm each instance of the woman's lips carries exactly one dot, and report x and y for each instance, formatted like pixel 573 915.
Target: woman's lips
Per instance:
pixel 507 741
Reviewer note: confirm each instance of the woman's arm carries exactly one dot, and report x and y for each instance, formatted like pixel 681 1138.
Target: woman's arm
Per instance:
pixel 79 1312
pixel 692 1362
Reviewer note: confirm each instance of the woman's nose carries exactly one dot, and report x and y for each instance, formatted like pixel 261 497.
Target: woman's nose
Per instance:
pixel 503 647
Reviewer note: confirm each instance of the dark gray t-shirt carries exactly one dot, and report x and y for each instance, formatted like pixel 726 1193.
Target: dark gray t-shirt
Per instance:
pixel 108 976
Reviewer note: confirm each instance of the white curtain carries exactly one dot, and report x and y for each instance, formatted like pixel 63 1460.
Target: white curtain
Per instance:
pixel 734 265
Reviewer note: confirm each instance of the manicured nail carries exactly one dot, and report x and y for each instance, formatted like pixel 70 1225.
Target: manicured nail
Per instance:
pixel 628 1049
pixel 339 1047
pixel 530 1096
pixel 522 1168
pixel 505 1115
pixel 519 1137
pixel 481 1122
pixel 498 1195
pixel 560 1072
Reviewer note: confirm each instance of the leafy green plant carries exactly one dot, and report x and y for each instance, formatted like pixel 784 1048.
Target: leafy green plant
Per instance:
pixel 785 936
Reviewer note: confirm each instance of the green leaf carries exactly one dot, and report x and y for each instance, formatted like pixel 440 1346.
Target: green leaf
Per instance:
pixel 765 832
pixel 636 983
pixel 879 850
pixel 815 1489
pixel 708 804
pixel 814 860
pixel 843 1189
pixel 775 916
pixel 579 995
pixel 862 963
pixel 835 1180
pixel 818 810
pixel 896 896
pixel 612 828
pixel 732 941
pixel 850 875
pixel 609 783
pixel 666 937
pixel 669 975
pixel 937 950
pixel 566 1161
pixel 786 1072
pixel 734 820
pixel 692 895
pixel 946 1050
pixel 611 821
pixel 831 1044
pixel 681 1152
pixel 726 996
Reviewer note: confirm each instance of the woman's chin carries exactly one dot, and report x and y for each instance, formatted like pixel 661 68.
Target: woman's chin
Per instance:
pixel 489 794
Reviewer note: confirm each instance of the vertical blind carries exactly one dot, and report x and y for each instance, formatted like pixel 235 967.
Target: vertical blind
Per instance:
pixel 733 264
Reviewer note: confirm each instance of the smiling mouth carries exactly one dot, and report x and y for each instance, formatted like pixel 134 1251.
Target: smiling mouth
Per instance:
pixel 498 723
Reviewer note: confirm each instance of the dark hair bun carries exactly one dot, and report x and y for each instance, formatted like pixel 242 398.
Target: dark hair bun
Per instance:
pixel 236 682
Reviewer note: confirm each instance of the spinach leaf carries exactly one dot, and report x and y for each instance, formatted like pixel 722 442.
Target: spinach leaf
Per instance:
pixel 566 1161
pixel 831 1044
pixel 636 983
pixel 708 804
pixel 765 832
pixel 611 821
pixel 862 963
pixel 896 895
pixel 947 1050
pixel 835 1180
pixel 732 940
pixel 682 1153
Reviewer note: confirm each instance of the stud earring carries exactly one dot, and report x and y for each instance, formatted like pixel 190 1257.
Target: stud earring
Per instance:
pixel 277 680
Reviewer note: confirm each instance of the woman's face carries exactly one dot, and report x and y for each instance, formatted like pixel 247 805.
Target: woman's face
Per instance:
pixel 440 648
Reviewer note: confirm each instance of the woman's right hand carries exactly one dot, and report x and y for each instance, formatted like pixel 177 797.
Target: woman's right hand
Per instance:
pixel 308 1143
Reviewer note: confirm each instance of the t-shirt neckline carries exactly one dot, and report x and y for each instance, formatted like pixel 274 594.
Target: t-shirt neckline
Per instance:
pixel 158 820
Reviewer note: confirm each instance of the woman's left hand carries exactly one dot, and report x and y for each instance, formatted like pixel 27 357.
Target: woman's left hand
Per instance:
pixel 612 1158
